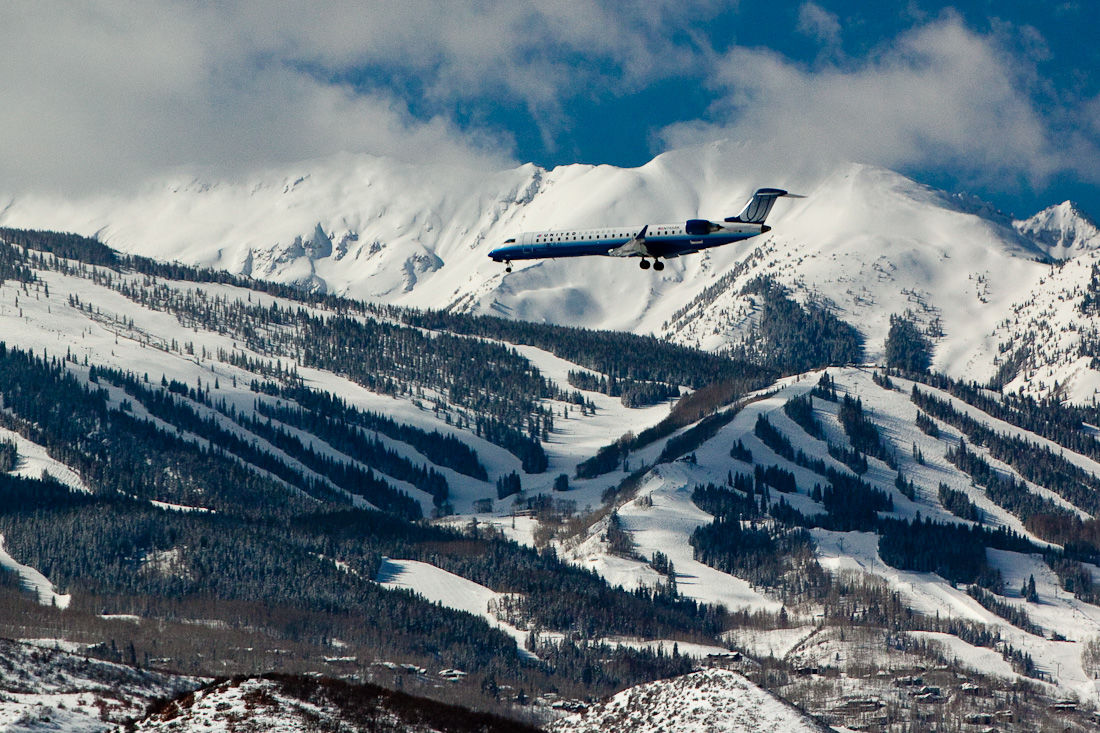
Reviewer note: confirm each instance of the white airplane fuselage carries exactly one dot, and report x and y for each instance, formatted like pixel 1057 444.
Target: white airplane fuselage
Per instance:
pixel 656 241
pixel 661 240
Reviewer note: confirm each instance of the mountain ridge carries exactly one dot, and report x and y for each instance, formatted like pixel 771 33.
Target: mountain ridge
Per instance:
pixel 868 242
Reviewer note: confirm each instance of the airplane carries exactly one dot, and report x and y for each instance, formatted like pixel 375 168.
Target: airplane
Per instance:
pixel 657 241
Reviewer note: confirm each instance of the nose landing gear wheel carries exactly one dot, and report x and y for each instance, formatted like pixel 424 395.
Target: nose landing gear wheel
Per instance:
pixel 507 266
pixel 658 265
pixel 644 264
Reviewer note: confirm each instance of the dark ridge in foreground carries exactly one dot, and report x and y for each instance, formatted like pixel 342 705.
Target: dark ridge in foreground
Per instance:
pixel 332 705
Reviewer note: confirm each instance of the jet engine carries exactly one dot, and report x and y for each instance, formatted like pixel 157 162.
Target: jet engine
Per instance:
pixel 699 227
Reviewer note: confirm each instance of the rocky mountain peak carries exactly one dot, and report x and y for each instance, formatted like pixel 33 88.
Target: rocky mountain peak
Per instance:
pixel 1062 231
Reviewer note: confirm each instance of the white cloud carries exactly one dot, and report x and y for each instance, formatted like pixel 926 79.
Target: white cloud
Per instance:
pixel 99 95
pixel 816 21
pixel 939 97
pixel 103 94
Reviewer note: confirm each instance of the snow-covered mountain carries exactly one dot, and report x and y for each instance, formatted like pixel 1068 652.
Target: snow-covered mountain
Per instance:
pixel 867 241
pixel 1062 231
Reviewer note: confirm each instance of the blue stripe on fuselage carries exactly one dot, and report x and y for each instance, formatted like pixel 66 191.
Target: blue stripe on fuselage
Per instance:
pixel 660 246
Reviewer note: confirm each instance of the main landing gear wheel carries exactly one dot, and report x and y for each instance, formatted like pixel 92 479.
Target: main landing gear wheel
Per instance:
pixel 658 265
pixel 644 264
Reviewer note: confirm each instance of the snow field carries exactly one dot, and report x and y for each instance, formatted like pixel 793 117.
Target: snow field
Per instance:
pixel 33 461
pixel 72 712
pixel 976 658
pixel 895 415
pixel 777 643
pixel 33 581
pixel 447 589
pixel 665 527
pixel 1087 464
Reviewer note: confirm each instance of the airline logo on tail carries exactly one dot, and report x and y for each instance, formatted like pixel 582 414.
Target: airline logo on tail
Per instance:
pixel 760 205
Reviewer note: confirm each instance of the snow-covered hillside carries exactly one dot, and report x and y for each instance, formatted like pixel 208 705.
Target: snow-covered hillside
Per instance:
pixel 43 687
pixel 867 241
pixel 32 580
pixel 98 325
pixel 660 517
pixel 715 700
pixel 291 704
pixel 447 589
pixel 85 335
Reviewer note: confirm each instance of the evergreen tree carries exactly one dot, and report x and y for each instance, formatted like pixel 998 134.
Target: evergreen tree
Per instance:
pixel 508 485
pixel 906 347
pixel 1028 590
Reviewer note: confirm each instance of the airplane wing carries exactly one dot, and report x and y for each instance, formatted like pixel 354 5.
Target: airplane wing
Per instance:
pixel 635 247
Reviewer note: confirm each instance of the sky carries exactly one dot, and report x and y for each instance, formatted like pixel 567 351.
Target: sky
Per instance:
pixel 998 99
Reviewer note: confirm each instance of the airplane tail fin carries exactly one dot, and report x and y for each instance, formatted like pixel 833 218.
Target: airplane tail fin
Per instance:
pixel 760 205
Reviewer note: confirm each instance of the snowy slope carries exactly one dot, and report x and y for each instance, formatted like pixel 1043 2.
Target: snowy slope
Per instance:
pixel 869 241
pixel 34 461
pixel 33 581
pixel 96 325
pixel 48 689
pixel 709 700
pixel 256 703
pixel 661 516
pixel 121 332
pixel 454 591
pixel 447 589
pixel 1052 331
pixel 124 334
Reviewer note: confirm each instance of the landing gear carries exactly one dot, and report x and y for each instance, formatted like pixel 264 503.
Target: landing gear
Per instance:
pixel 644 264
pixel 658 265
pixel 507 266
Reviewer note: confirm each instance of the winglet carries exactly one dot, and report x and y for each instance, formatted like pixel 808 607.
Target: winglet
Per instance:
pixel 760 205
